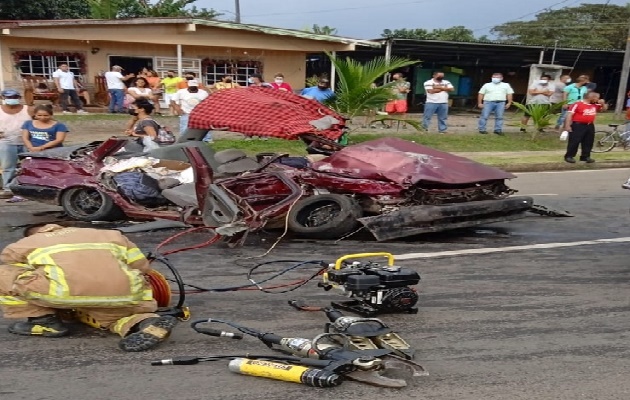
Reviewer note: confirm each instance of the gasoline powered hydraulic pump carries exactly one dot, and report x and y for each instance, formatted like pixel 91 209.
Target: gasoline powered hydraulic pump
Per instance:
pixel 374 288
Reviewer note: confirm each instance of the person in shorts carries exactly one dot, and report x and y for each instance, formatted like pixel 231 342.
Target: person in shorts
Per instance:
pixel 399 103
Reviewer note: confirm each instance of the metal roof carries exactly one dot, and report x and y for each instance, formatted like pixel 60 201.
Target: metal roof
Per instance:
pixel 268 30
pixel 488 44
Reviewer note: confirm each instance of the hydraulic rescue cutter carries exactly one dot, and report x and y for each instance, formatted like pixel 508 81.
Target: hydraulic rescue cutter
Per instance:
pixel 334 352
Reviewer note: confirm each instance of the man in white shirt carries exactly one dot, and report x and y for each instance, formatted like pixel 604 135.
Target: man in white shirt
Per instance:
pixel 116 88
pixel 64 80
pixel 185 100
pixel 540 93
pixel 437 90
pixel 494 97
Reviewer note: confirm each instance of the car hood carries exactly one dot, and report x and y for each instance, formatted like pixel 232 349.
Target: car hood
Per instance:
pixel 266 112
pixel 406 163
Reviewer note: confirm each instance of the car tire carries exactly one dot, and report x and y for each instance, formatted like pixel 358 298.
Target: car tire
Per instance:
pixel 89 204
pixel 302 219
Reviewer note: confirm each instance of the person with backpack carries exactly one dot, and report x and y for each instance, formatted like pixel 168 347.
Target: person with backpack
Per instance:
pixel 142 125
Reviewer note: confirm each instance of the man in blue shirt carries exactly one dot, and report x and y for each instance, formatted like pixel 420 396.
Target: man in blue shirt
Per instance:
pixel 321 92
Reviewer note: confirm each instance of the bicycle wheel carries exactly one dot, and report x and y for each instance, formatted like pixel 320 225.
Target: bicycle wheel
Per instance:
pixel 604 141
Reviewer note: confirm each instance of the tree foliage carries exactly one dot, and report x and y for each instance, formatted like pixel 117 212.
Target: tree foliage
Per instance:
pixel 587 25
pixel 323 30
pixel 455 33
pixel 101 9
pixel 355 92
pixel 43 9
pixel 146 8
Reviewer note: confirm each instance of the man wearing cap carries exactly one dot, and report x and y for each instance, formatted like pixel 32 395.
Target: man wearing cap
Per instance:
pixel 116 88
pixel 13 114
pixel 64 80
pixel 321 92
pixel 184 100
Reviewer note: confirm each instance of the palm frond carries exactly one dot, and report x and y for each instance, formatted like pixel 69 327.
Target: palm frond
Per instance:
pixel 355 92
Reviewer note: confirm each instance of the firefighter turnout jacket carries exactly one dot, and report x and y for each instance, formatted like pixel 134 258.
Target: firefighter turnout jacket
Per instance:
pixel 67 268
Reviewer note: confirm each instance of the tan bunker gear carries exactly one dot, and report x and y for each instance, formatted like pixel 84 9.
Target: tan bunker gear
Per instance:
pixel 97 272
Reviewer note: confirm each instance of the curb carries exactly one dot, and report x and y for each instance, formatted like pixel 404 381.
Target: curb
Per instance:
pixel 562 166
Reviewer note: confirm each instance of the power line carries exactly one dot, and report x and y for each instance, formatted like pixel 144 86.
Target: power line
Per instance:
pixel 340 9
pixel 548 8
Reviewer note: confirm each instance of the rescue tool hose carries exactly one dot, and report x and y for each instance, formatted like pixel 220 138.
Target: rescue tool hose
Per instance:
pixel 258 285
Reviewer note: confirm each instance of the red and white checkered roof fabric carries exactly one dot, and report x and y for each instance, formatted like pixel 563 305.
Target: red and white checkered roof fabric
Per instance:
pixel 259 111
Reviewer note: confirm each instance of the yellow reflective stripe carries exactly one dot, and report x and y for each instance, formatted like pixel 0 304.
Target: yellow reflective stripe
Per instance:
pixel 90 301
pixel 12 301
pixel 117 250
pixel 57 278
pixel 59 291
pixel 20 265
pixel 120 323
pixel 134 255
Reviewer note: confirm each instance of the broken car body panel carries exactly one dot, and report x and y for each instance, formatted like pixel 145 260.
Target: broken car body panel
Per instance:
pixel 395 188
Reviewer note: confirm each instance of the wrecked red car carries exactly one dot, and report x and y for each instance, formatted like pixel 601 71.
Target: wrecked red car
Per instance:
pixel 393 188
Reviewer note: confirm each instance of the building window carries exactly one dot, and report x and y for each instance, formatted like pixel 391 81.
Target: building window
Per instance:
pixel 46 63
pixel 240 70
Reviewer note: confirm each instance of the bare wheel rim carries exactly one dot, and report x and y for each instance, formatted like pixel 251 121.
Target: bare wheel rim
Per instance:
pixel 604 141
pixel 87 202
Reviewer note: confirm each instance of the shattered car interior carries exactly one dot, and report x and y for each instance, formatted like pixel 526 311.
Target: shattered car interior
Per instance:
pixel 391 187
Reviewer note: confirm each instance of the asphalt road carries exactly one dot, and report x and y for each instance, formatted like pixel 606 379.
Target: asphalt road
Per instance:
pixel 530 324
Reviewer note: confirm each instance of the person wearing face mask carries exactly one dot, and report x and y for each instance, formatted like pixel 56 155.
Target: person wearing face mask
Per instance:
pixel 185 100
pixel 558 97
pixel 170 87
pixel 580 124
pixel 321 92
pixel 539 93
pixel 280 84
pixel 575 91
pixel 256 80
pixel 227 82
pixel 437 90
pixel 12 116
pixel 494 97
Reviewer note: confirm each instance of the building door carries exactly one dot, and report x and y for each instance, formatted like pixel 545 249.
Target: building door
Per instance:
pixel 131 64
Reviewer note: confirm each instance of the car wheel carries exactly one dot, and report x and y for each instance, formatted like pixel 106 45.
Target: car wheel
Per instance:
pixel 325 216
pixel 89 204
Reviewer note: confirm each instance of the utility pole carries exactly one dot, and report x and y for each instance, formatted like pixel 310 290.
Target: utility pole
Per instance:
pixel 623 79
pixel 237 11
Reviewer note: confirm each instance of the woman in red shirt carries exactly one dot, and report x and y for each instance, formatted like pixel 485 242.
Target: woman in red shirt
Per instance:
pixel 580 123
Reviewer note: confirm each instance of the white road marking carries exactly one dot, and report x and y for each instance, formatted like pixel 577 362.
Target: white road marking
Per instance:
pixel 581 171
pixel 490 250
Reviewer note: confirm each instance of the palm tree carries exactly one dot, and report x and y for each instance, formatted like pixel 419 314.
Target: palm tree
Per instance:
pixel 356 91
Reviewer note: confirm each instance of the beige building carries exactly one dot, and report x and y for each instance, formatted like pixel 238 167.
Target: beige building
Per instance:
pixel 209 48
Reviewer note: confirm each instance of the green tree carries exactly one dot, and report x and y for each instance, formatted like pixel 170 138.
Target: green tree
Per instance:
pixel 107 9
pixel 43 9
pixel 355 91
pixel 586 26
pixel 455 33
pixel 323 30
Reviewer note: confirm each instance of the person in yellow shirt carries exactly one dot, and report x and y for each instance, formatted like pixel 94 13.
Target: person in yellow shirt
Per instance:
pixel 170 84
pixel 227 82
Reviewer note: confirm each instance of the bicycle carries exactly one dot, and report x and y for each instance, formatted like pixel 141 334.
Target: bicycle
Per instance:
pixel 605 141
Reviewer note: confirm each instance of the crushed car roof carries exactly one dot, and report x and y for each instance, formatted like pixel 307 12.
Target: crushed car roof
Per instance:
pixel 259 111
pixel 406 163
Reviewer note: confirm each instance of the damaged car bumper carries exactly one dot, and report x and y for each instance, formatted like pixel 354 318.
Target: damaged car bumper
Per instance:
pixel 410 221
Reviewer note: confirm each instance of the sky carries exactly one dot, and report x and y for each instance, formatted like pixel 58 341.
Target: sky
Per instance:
pixel 366 19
